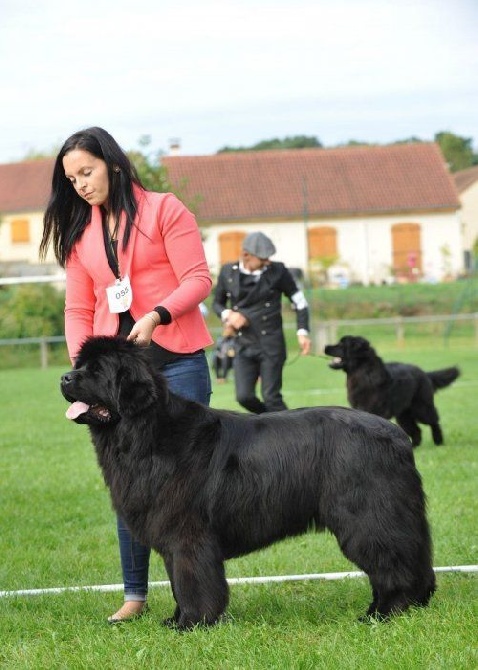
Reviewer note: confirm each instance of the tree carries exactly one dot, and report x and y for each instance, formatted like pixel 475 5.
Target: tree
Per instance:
pixel 30 310
pixel 148 165
pixel 295 142
pixel 154 176
pixel 458 151
pixel 38 154
pixel 356 143
pixel 409 140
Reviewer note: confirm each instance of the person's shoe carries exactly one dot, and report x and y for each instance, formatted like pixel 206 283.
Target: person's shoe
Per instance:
pixel 131 610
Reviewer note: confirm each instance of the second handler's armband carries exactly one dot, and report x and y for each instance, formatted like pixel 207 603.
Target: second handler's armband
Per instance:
pixel 299 300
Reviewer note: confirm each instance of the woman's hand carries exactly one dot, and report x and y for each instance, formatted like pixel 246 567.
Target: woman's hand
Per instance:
pixel 142 331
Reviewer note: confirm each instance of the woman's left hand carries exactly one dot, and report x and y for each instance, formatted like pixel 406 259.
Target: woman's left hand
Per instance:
pixel 142 331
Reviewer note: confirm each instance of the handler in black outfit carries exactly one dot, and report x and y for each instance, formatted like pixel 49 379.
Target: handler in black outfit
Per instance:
pixel 248 298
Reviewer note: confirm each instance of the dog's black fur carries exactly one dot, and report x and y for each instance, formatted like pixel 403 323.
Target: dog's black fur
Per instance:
pixel 201 485
pixel 392 390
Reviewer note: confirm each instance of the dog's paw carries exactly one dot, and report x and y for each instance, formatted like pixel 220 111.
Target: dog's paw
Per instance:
pixel 170 622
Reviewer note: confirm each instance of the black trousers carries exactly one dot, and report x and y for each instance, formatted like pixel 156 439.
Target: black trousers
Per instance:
pixel 251 366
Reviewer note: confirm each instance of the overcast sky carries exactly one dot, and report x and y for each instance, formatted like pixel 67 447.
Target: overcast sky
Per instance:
pixel 233 72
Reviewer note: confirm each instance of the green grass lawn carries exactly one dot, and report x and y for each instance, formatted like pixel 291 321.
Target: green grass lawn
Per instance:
pixel 58 530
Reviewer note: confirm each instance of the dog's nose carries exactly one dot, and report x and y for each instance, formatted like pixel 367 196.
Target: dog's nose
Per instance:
pixel 66 378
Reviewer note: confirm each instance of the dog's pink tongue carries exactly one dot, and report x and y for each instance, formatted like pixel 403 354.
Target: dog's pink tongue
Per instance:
pixel 75 409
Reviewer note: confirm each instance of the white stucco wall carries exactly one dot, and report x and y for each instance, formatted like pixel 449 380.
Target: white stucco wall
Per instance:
pixel 364 244
pixel 11 252
pixel 469 215
pixel 289 239
pixel 440 232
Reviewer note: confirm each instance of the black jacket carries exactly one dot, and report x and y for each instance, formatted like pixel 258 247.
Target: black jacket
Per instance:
pixel 261 305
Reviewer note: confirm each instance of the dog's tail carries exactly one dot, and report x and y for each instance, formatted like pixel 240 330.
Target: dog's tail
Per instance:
pixel 442 378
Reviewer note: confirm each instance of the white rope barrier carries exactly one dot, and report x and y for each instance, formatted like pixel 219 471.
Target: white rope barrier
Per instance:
pixel 232 580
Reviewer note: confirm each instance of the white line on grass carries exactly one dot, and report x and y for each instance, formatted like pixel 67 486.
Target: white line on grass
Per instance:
pixel 332 391
pixel 233 580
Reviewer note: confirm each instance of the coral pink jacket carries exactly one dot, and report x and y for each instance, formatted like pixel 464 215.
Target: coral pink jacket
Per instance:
pixel 166 265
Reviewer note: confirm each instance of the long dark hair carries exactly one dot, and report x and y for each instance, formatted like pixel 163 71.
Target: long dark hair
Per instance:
pixel 67 214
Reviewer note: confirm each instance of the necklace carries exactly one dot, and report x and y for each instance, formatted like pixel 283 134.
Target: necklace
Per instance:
pixel 106 220
pixel 113 235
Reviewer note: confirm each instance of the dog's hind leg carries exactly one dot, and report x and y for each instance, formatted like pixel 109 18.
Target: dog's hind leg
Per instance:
pixel 389 600
pixel 199 584
pixel 372 555
pixel 387 536
pixel 407 422
pixel 437 434
pixel 386 601
pixel 391 583
pixel 426 412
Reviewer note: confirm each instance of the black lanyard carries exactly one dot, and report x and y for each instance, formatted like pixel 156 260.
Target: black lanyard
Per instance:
pixel 111 245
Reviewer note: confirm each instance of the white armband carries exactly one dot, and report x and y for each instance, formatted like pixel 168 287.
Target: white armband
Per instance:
pixel 299 300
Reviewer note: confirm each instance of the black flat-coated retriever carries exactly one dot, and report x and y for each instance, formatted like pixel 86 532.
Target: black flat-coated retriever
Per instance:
pixel 392 390
pixel 201 485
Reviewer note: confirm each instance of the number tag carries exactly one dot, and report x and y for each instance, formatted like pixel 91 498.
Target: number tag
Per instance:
pixel 120 295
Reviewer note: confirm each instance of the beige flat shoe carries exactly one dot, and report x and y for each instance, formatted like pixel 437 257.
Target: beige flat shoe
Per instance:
pixel 131 610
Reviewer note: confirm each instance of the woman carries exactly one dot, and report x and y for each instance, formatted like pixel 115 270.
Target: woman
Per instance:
pixel 135 265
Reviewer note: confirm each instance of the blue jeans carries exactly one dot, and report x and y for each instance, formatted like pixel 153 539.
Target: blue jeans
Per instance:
pixel 188 377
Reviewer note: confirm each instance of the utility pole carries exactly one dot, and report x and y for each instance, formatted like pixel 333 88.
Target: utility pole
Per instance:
pixel 305 209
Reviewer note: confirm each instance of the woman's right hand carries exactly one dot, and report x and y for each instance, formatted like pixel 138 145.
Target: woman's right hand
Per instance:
pixel 142 331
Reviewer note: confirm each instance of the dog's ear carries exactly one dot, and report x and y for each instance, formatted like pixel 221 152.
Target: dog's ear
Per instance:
pixel 134 397
pixel 359 345
pixel 134 393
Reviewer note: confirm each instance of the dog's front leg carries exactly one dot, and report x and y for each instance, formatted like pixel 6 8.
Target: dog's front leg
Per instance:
pixel 199 583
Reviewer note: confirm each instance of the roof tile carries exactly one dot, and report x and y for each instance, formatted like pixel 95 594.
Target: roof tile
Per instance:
pixel 465 178
pixel 366 179
pixel 279 184
pixel 25 186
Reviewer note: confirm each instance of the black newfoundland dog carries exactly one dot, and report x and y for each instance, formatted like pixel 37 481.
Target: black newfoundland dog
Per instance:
pixel 201 485
pixel 390 389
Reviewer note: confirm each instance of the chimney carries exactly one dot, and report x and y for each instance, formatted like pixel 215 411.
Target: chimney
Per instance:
pixel 174 146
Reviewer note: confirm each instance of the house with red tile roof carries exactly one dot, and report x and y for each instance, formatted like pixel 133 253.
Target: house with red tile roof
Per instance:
pixel 466 182
pixel 373 212
pixel 364 213
pixel 24 192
